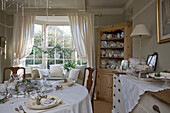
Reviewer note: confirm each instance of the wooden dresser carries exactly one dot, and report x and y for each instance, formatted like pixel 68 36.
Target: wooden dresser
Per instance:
pixel 105 73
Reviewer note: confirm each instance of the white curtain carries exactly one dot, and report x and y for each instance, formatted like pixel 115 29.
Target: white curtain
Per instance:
pixel 22 37
pixel 82 29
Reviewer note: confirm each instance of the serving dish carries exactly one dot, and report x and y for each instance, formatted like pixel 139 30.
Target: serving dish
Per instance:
pixel 68 83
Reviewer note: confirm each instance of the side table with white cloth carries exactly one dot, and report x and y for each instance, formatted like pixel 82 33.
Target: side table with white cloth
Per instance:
pixel 129 95
pixel 75 99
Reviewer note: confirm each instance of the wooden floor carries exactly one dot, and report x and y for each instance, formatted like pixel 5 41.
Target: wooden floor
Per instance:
pixel 102 106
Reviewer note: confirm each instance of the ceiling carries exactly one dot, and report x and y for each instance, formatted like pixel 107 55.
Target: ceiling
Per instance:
pixel 106 3
pixel 99 6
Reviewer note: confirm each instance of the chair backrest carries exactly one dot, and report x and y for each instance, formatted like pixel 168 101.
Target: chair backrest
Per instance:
pixel 90 80
pixel 81 73
pixel 14 70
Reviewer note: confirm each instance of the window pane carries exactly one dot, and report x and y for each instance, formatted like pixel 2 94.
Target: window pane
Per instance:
pixel 59 54
pixel 38 53
pixel 30 55
pixel 66 31
pixel 38 61
pixel 51 54
pixel 37 34
pixel 37 29
pixel 51 31
pixel 51 41
pixel 50 62
pixel 67 41
pixel 29 62
pixel 59 61
pixel 59 31
pixel 37 40
pixel 59 41
pixel 67 55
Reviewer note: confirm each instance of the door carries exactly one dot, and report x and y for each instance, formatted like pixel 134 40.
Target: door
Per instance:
pixel 105 87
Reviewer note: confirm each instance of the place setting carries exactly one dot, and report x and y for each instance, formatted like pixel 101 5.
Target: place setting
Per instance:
pixel 33 95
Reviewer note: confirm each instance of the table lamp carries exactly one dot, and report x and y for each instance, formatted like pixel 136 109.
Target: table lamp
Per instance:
pixel 140 31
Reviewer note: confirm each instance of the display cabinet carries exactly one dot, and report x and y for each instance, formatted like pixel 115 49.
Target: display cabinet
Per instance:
pixel 114 45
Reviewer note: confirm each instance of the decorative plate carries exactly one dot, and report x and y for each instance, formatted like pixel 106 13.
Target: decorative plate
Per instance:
pixel 164 76
pixel 49 102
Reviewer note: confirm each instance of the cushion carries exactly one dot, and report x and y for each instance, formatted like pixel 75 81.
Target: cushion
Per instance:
pixel 73 75
pixel 34 70
pixel 56 70
pixel 81 73
pixel 43 72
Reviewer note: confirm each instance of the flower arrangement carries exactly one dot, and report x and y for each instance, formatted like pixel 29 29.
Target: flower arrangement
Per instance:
pixel 69 64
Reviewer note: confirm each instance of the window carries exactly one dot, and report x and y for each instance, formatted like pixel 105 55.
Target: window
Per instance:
pixel 46 38
pixel 35 56
pixel 61 36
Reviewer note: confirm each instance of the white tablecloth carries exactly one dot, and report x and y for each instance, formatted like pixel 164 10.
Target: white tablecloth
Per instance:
pixel 76 98
pixel 133 88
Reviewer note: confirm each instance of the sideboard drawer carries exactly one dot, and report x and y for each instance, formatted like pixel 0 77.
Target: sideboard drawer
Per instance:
pixel 139 109
pixel 153 105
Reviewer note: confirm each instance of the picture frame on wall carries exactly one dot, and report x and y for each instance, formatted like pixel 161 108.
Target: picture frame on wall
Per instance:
pixel 163 21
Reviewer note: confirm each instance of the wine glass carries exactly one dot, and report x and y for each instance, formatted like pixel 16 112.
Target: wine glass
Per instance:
pixel 22 88
pixel 15 77
pixel 3 90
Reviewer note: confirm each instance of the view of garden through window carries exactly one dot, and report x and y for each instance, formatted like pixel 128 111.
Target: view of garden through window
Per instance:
pixel 52 36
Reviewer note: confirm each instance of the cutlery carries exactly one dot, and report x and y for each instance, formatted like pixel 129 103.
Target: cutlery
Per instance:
pixel 21 108
pixel 16 109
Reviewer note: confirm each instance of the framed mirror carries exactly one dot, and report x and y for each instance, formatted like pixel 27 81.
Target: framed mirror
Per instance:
pixel 163 21
pixel 152 60
pixel 2 41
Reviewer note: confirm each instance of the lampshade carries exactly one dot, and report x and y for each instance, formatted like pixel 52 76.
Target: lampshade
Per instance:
pixel 140 30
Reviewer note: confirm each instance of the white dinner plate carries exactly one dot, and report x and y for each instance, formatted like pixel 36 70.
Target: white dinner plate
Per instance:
pixel 31 103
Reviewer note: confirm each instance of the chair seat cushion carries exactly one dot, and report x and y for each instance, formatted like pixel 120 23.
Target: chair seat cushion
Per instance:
pixel 34 70
pixel 56 70
pixel 43 73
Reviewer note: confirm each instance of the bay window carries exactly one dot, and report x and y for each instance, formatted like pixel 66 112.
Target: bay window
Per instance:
pixel 47 37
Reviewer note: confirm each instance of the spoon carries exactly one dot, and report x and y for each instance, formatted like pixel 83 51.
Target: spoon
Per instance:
pixel 16 109
pixel 21 108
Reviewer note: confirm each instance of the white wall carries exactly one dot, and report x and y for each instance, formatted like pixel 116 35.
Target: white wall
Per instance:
pixel 149 45
pixel 108 19
pixel 6 21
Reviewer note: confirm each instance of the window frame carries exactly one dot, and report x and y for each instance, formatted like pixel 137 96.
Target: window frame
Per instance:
pixel 44 45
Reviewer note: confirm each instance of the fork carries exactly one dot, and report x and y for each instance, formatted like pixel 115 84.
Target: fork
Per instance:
pixel 16 109
pixel 21 108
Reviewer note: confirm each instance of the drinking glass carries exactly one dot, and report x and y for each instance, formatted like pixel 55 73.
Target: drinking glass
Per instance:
pixel 22 89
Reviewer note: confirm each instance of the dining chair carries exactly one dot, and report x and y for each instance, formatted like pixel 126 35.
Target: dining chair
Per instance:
pixel 14 71
pixel 90 81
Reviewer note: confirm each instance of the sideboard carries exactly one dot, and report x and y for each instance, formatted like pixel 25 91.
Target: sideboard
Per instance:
pixel 149 102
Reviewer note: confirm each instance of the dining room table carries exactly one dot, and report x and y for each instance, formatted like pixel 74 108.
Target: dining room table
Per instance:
pixel 74 99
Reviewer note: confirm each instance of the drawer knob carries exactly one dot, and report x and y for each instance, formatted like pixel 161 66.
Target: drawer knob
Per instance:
pixel 156 108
